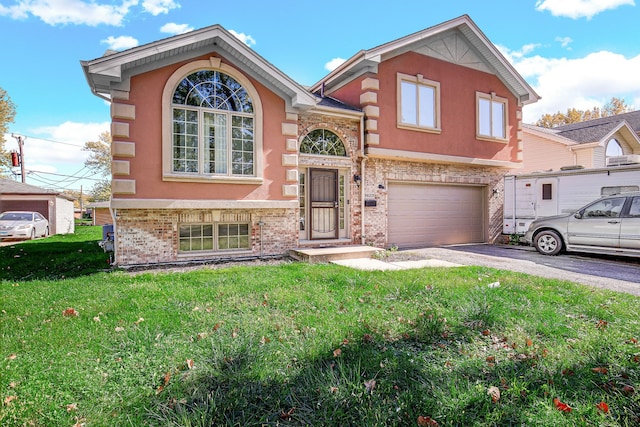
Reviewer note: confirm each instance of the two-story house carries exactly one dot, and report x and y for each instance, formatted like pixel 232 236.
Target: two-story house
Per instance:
pixel 218 154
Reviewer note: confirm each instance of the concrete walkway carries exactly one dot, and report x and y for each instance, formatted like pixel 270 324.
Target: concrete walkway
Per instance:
pixel 443 257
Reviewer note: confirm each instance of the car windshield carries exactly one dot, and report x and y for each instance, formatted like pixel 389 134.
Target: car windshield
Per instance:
pixel 16 216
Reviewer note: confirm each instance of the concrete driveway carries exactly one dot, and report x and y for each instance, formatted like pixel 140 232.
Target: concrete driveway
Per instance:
pixel 615 273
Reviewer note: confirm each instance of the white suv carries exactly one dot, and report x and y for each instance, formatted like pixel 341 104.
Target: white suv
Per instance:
pixel 609 225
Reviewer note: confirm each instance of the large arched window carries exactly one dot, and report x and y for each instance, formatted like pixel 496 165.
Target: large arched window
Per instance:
pixel 614 148
pixel 212 126
pixel 322 142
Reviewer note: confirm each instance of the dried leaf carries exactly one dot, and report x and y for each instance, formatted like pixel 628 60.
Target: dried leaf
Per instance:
pixel 494 392
pixel 72 407
pixel 190 363
pixel 265 340
pixel 369 385
pixel 603 407
pixel 9 399
pixel 628 390
pixel 119 329
pixel 561 406
pixel 96 319
pixel 600 370
pixel 70 312
pixel 333 389
pixel 601 324
pixel 337 352
pixel 140 320
pixel 12 356
pixel 287 415
pixel 427 422
pixel 529 342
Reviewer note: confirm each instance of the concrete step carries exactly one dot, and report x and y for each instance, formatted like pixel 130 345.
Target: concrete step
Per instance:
pixel 324 255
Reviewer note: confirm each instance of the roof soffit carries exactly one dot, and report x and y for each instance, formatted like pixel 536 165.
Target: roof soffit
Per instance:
pixel 109 71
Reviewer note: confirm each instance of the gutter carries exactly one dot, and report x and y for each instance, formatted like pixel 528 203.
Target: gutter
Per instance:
pixel 363 161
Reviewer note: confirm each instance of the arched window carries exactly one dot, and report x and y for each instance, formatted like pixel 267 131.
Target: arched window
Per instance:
pixel 212 126
pixel 614 148
pixel 322 142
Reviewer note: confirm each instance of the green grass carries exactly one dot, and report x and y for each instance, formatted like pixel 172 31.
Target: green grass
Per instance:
pixel 56 257
pixel 298 344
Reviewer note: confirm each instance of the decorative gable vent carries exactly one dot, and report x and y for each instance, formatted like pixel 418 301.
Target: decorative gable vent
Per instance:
pixel 629 159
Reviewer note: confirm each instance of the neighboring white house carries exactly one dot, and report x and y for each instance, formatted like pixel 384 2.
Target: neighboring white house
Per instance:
pixel 53 205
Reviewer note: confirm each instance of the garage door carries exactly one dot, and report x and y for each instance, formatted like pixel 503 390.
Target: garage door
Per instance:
pixel 428 215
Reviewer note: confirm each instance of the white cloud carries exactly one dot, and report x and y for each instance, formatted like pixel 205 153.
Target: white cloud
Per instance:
pixel 120 43
pixel 579 8
pixel 582 83
pixel 173 28
pixel 77 12
pixel 244 38
pixel 565 42
pixel 334 63
pixel 62 143
pixel 156 7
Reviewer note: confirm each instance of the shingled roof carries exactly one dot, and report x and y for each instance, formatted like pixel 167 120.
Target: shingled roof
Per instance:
pixel 596 129
pixel 8 186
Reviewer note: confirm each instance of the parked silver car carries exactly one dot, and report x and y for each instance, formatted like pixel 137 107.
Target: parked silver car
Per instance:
pixel 609 225
pixel 23 225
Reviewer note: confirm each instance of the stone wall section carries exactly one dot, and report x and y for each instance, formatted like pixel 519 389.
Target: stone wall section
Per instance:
pixel 150 236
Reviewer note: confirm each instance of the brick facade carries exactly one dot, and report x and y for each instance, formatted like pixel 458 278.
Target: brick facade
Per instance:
pixel 150 236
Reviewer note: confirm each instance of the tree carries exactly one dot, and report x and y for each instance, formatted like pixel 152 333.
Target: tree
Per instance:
pixel 100 162
pixel 7 115
pixel 573 115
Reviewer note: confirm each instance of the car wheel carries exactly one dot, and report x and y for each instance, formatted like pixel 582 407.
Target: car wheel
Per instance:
pixel 548 242
pixel 46 232
pixel 33 233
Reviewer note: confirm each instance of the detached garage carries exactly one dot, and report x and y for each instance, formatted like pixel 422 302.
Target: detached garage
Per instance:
pixel 431 214
pixel 53 205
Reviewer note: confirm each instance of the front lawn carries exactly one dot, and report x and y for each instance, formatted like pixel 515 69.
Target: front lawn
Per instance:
pixel 297 344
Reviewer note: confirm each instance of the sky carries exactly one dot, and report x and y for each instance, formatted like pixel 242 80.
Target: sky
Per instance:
pixel 574 53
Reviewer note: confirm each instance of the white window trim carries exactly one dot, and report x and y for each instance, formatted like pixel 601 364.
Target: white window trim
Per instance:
pixel 215 236
pixel 492 97
pixel 419 80
pixel 167 125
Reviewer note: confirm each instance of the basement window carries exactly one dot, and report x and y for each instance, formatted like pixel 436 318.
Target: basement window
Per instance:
pixel 214 237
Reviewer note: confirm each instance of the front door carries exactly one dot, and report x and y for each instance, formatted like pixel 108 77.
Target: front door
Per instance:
pixel 324 203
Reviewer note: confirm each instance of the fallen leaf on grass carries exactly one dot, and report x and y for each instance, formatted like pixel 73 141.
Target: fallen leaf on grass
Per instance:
pixel 333 389
pixel 600 370
pixel 601 324
pixel 494 392
pixel 427 422
pixel 561 406
pixel 190 363
pixel 137 322
pixel 12 356
pixel 119 329
pixel 9 399
pixel 287 415
pixel 603 407
pixel 70 312
pixel 72 407
pixel 369 386
pixel 337 352
pixel 628 390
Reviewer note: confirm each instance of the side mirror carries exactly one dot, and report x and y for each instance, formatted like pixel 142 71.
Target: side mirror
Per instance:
pixel 578 215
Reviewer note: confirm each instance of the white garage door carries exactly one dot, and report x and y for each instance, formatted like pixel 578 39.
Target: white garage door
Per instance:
pixel 428 215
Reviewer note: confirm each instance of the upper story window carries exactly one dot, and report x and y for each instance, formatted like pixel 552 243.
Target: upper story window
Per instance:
pixel 212 126
pixel 491 116
pixel 614 148
pixel 418 103
pixel 322 142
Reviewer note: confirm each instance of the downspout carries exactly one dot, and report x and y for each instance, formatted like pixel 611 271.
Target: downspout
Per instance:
pixel 363 160
pixel 113 213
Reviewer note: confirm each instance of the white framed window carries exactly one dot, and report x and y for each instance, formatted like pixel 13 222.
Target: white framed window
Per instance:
pixel 212 125
pixel 491 116
pixel 418 103
pixel 614 148
pixel 214 237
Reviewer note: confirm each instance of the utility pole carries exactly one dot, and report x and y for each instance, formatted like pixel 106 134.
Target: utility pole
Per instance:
pixel 20 140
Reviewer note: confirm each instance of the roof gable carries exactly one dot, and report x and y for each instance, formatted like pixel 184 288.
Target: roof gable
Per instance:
pixel 114 69
pixel 458 41
pixel 602 129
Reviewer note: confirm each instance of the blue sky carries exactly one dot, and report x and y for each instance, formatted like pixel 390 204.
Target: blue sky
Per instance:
pixel 574 53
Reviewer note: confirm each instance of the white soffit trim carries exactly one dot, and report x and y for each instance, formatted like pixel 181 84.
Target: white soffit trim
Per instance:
pixel 385 153
pixel 202 204
pixel 103 72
